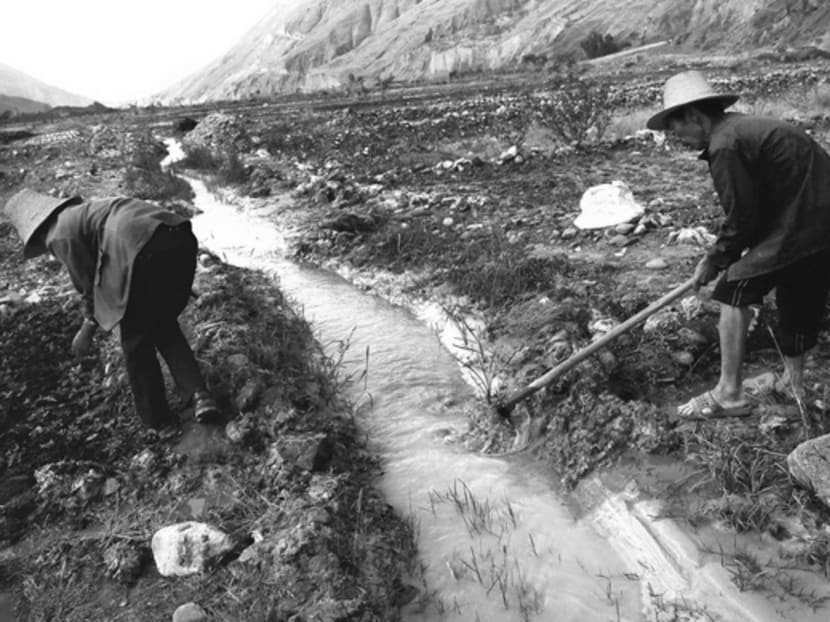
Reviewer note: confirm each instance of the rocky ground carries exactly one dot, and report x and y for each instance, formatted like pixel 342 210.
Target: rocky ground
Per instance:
pixel 302 533
pixel 470 199
pixel 463 197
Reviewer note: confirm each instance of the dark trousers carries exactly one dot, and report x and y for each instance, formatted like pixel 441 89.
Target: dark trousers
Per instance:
pixel 801 291
pixel 161 284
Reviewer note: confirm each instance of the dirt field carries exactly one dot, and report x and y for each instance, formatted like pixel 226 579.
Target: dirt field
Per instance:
pixel 84 487
pixel 466 196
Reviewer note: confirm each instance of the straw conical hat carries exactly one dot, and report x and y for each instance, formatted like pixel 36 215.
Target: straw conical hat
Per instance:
pixel 683 89
pixel 28 210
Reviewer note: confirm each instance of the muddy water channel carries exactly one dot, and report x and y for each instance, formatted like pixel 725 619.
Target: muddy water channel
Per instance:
pixel 497 540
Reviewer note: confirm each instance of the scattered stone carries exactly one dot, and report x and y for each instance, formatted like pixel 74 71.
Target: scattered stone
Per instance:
pixel 189 612
pixel 569 233
pixel 694 236
pixel 808 464
pixel 770 420
pixel 624 228
pixel 248 396
pixel 310 452
pixel 508 155
pixel 143 461
pixel 684 358
pixel 691 307
pixel 658 263
pixel 690 337
pixel 663 321
pixel 447 222
pixel 608 360
pixel 187 548
pixel 111 486
pixel 762 384
pixel 240 429
pixel 600 325
pixel 238 361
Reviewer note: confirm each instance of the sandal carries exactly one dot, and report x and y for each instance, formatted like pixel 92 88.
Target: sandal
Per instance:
pixel 205 408
pixel 706 406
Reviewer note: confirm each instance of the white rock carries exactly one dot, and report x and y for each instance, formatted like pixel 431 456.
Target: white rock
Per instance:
pixel 809 464
pixel 189 612
pixel 511 153
pixel 664 320
pixel 683 358
pixel 658 138
pixel 657 264
pixel 691 306
pixel 694 236
pixel 607 205
pixel 185 548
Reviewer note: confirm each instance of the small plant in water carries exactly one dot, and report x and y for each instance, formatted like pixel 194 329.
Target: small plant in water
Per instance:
pixel 494 568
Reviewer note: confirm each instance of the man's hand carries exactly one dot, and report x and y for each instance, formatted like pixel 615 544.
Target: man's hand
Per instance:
pixel 705 272
pixel 82 343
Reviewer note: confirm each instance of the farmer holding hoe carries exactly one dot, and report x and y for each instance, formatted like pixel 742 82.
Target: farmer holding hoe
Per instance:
pixel 773 182
pixel 133 263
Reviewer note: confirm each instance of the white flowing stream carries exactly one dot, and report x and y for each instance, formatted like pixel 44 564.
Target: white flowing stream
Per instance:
pixel 496 538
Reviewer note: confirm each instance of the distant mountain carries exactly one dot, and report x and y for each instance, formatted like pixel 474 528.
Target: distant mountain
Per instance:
pixel 332 43
pixel 21 105
pixel 22 93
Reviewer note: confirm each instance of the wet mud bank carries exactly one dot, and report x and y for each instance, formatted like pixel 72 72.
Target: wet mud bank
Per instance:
pixel 672 568
pixel 471 228
pixel 84 488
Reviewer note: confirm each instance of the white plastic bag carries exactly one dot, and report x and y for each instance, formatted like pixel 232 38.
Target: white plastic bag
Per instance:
pixel 607 205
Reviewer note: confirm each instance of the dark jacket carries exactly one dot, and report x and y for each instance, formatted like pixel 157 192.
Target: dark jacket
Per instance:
pixel 98 241
pixel 773 182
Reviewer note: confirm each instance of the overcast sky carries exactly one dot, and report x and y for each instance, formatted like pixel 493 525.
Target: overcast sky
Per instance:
pixel 118 51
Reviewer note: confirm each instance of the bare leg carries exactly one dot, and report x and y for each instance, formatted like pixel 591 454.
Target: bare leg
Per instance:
pixel 732 328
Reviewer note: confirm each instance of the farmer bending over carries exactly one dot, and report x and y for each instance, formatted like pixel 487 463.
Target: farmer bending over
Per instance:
pixel 773 182
pixel 133 264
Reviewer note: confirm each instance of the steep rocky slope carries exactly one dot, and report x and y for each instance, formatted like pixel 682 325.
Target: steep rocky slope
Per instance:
pixel 22 92
pixel 329 43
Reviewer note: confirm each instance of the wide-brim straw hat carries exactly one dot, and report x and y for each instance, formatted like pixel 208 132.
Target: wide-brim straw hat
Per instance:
pixel 683 89
pixel 28 210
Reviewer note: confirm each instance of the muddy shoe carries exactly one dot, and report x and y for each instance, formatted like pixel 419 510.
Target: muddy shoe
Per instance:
pixel 205 408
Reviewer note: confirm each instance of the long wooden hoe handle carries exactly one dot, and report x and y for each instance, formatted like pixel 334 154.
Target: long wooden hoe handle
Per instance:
pixel 600 343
